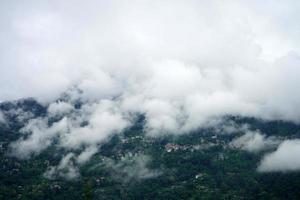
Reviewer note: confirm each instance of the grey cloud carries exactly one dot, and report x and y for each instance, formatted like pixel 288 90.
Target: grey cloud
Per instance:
pixel 285 158
pixel 40 137
pixel 59 108
pixel 132 167
pixel 102 118
pixel 230 127
pixel 2 118
pixel 65 169
pixel 85 155
pixel 184 65
pixel 254 141
pixel 69 164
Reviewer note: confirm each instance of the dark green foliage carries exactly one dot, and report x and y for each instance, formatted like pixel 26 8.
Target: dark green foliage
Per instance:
pixel 216 172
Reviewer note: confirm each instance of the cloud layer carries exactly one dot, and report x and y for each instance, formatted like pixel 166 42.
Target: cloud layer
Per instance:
pixel 86 128
pixel 254 141
pixel 184 65
pixel 196 59
pixel 285 158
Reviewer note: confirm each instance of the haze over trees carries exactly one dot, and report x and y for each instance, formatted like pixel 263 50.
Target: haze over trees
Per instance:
pixel 149 99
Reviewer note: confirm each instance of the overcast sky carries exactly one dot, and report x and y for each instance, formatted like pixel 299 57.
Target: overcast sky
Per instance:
pixel 183 64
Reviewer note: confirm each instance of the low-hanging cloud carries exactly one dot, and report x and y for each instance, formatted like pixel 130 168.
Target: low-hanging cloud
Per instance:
pixel 183 65
pixel 284 159
pixel 60 108
pixel 132 167
pixel 65 169
pixel 2 118
pixel 254 141
pixel 100 120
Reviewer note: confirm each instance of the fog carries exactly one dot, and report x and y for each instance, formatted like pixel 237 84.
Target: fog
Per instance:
pixel 182 64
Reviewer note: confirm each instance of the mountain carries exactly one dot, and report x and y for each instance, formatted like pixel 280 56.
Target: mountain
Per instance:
pixel 219 162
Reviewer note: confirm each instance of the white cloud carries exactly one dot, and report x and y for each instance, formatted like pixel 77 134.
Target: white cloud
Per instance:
pixel 132 167
pixel 285 158
pixel 84 156
pixel 59 108
pixel 183 64
pixel 254 141
pixel 2 118
pixel 230 127
pixel 65 169
pixel 102 119
pixel 40 137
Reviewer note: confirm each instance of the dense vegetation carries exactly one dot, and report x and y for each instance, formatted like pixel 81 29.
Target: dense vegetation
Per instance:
pixel 198 165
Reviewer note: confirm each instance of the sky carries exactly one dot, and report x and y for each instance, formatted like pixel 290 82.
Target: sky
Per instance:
pixel 182 64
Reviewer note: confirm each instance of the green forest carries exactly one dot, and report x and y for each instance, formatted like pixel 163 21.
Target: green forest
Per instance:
pixel 132 165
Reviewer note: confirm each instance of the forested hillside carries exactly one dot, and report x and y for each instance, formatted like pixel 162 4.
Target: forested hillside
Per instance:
pixel 201 165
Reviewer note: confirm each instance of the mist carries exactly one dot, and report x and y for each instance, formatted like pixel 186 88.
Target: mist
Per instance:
pixel 183 65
